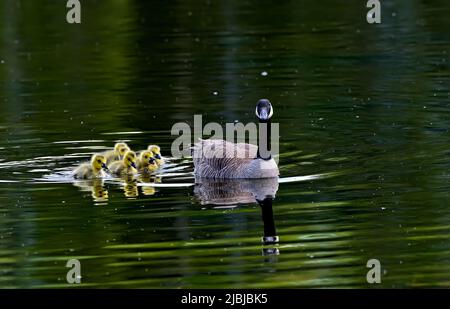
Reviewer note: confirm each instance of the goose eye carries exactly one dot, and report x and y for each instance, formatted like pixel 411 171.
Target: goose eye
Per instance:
pixel 99 161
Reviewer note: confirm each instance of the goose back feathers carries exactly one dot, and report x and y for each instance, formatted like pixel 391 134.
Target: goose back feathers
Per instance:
pixel 221 160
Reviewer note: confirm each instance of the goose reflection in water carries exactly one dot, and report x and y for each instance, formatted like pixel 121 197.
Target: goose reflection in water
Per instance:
pixel 147 179
pixel 96 187
pixel 130 188
pixel 227 192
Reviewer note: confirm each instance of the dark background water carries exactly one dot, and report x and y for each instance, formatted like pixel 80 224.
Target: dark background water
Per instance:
pixel 363 112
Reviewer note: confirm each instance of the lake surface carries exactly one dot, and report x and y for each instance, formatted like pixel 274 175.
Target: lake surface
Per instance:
pixel 364 116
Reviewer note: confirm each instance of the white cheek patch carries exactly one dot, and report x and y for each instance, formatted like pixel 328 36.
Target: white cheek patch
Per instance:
pixel 270 112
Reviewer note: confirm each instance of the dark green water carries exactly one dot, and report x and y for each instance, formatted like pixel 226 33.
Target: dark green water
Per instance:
pixel 364 115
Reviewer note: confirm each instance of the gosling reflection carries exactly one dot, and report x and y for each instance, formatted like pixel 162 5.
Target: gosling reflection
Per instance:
pixel 244 191
pixel 130 188
pixel 147 180
pixel 95 186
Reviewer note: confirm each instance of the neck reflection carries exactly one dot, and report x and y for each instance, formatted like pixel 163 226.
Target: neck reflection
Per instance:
pixel 270 237
pixel 233 192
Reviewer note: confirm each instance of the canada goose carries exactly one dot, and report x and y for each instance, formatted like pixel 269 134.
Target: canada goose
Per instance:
pixel 156 154
pixel 222 159
pixel 146 163
pixel 117 153
pixel 93 169
pixel 127 166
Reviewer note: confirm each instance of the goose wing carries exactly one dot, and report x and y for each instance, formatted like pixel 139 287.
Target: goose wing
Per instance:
pixel 218 155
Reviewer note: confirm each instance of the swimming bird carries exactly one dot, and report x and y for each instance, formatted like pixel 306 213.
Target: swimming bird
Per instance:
pixel 117 153
pixel 146 163
pixel 93 169
pixel 221 159
pixel 127 166
pixel 156 154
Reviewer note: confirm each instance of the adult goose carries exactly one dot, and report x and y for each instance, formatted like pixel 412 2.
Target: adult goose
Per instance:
pixel 220 159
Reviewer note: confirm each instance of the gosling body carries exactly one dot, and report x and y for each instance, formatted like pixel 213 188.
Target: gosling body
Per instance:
pixel 127 166
pixel 117 153
pixel 91 170
pixel 146 163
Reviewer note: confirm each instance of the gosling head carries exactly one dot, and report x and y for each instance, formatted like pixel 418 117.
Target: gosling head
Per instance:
pixel 130 159
pixel 152 165
pixel 145 156
pixel 156 150
pixel 264 110
pixel 121 148
pixel 98 162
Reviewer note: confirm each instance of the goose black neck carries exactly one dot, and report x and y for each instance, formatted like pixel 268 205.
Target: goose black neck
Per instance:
pixel 264 140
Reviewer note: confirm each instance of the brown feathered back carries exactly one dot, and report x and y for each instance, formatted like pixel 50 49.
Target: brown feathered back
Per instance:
pixel 222 159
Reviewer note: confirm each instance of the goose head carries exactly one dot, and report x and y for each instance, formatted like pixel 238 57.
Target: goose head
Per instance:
pixel 98 162
pixel 130 159
pixel 147 158
pixel 264 110
pixel 121 149
pixel 156 150
pixel 152 165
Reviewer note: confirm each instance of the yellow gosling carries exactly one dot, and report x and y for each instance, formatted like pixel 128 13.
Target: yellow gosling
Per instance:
pixel 146 163
pixel 144 158
pixel 151 167
pixel 117 153
pixel 156 154
pixel 94 169
pixel 127 166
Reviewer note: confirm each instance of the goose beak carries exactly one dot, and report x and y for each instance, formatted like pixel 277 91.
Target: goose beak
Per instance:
pixel 158 156
pixel 151 161
pixel 105 167
pixel 133 164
